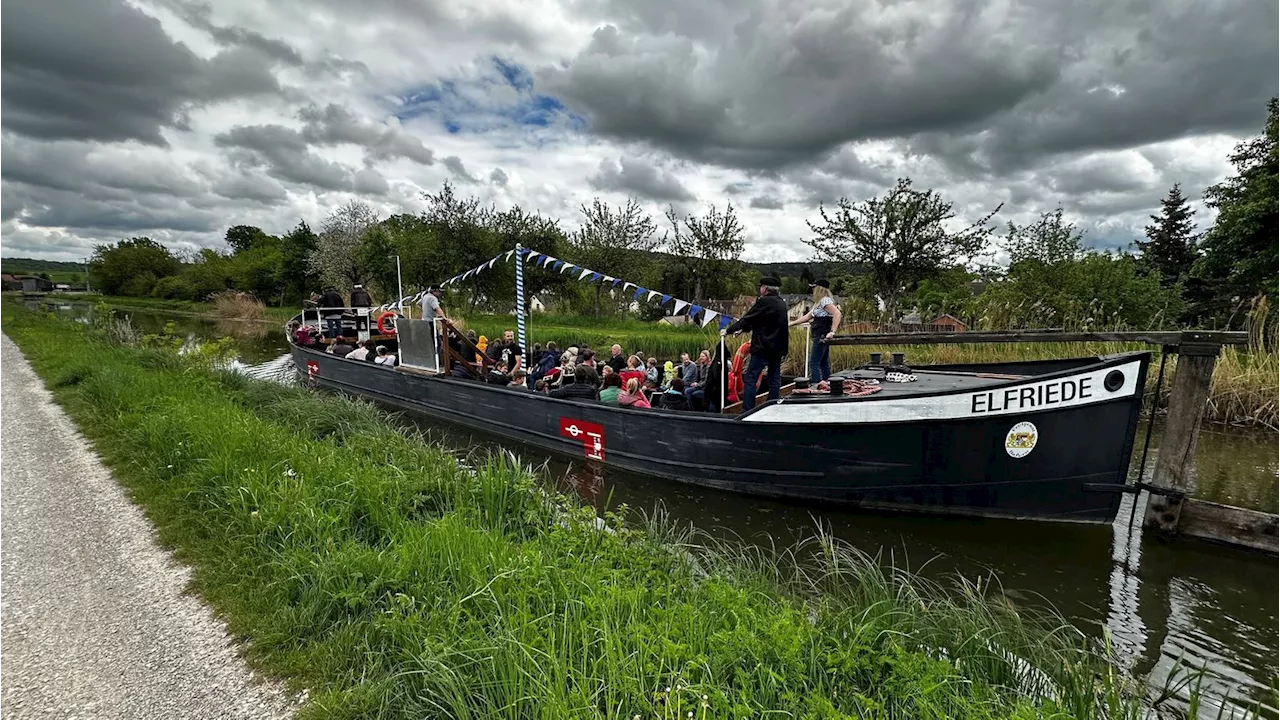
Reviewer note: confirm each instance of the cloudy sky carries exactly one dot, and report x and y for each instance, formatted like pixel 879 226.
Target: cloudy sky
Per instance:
pixel 178 118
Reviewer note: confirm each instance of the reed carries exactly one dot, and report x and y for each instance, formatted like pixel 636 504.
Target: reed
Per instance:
pixel 393 579
pixel 236 305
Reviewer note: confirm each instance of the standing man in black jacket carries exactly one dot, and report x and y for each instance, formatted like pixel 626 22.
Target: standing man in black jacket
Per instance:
pixel 770 335
pixel 360 297
pixel 332 304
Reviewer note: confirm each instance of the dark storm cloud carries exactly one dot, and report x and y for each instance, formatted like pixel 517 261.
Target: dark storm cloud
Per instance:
pixel 498 177
pixel 764 202
pixel 11 205
pixel 458 170
pixel 250 186
pixel 335 125
pixel 368 181
pixel 113 211
pixel 285 155
pixel 637 177
pixel 71 166
pixel 107 71
pixel 764 85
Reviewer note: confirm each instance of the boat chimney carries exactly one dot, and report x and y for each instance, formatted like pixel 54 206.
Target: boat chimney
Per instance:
pixel 876 358
pixel 899 358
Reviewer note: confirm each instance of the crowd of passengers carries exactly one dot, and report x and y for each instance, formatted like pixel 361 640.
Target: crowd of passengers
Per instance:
pixel 622 380
pixel 343 345
pixel 579 374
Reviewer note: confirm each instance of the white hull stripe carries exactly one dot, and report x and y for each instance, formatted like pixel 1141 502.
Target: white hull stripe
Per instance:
pixel 1037 396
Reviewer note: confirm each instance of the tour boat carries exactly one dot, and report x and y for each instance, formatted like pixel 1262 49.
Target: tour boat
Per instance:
pixel 1048 440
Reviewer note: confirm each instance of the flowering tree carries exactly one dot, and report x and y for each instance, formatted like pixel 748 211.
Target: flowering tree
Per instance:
pixel 336 255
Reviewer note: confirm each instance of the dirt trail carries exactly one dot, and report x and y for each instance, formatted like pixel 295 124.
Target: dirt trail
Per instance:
pixel 95 623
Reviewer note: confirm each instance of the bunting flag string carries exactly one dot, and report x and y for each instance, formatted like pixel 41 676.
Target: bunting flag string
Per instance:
pixel 584 274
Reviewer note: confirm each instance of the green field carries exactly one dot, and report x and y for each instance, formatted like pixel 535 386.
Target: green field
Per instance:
pixel 392 579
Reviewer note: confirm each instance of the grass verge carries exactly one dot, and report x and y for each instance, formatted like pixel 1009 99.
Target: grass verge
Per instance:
pixel 391 579
pixel 226 307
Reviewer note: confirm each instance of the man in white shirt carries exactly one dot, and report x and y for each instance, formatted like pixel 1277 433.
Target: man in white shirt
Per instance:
pixel 385 357
pixel 431 304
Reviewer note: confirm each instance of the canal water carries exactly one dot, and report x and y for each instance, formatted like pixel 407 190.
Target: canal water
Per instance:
pixel 1160 602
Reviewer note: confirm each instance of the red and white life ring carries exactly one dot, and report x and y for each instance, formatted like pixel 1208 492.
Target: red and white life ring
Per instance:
pixel 739 367
pixel 382 320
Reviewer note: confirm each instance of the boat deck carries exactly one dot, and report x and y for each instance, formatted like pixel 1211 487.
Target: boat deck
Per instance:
pixel 928 382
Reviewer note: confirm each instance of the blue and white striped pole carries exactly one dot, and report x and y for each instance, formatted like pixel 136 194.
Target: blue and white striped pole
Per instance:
pixel 520 300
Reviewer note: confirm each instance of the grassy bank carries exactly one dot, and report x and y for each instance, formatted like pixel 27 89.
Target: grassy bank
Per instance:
pixel 393 580
pixel 270 315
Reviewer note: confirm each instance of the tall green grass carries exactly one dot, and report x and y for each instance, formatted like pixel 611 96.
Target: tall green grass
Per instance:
pixel 392 579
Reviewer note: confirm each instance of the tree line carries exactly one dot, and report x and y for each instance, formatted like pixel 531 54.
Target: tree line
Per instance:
pixel 899 252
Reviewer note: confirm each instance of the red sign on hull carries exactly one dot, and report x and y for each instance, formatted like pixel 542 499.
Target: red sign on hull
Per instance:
pixel 313 369
pixel 591 435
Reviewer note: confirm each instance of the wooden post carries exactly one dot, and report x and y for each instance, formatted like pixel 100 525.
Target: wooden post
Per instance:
pixel 1175 462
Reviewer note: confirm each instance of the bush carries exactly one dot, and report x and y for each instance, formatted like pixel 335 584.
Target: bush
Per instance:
pixel 139 285
pixel 174 287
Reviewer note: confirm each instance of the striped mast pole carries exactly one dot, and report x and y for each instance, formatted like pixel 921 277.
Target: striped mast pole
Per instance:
pixel 520 336
pixel 724 375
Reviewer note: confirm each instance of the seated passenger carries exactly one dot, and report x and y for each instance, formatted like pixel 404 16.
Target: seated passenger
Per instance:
pixel 653 373
pixel 519 381
pixel 583 386
pixel 341 347
pixel 668 374
pixel 498 374
pixel 545 361
pixel 673 398
pixel 612 386
pixel 360 353
pixel 633 396
pixel 385 358
pixel 540 387
pixel 634 370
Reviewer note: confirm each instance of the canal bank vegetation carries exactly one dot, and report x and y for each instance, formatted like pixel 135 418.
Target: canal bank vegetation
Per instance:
pixel 228 305
pixel 392 579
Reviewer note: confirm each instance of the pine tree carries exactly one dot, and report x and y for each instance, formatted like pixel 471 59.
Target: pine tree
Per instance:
pixel 1170 248
pixel 1239 260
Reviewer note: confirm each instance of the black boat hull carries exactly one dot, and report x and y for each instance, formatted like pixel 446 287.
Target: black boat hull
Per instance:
pixel 1075 471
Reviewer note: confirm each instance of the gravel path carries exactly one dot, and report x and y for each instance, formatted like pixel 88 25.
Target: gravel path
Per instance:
pixel 93 616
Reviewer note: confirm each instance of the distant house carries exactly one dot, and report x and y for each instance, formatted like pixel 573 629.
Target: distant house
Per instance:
pixel 61 287
pixel 948 323
pixel 10 282
pixel 911 322
pixel 33 284
pixel 797 304
pixel 860 327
